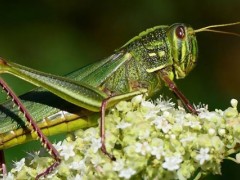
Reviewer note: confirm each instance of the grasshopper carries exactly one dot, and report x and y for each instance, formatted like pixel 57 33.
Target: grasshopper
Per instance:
pixel 63 104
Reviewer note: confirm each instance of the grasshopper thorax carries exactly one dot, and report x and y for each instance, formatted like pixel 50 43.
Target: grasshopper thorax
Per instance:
pixel 184 48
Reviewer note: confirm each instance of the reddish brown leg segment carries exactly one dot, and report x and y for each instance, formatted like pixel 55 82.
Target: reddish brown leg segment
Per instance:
pixel 102 129
pixel 45 142
pixel 179 94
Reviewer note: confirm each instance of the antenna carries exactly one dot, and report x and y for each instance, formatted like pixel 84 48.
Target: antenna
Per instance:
pixel 209 29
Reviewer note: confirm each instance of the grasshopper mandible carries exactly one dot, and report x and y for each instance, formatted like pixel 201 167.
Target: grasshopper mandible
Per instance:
pixel 143 65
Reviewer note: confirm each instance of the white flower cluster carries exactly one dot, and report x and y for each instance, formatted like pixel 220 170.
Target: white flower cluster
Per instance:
pixel 149 140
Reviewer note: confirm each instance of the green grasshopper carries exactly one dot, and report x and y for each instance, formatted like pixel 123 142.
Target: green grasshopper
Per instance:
pixel 63 104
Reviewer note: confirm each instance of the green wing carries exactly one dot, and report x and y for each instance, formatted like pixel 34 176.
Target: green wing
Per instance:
pixel 95 74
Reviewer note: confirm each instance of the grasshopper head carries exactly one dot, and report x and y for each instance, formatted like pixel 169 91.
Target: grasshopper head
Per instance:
pixel 183 48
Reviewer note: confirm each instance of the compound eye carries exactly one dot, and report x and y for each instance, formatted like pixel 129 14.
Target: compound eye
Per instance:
pixel 180 32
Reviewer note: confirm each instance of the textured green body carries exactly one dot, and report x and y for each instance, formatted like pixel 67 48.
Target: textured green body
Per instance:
pixel 131 68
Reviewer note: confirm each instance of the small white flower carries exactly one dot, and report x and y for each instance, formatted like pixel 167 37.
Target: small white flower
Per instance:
pixel 221 132
pixel 188 138
pixel 127 173
pixel 148 104
pixel 172 136
pixel 172 163
pixel 161 123
pixel 201 107
pixel 96 144
pixel 166 126
pixel 58 146
pixel 144 134
pixel 203 155
pixel 142 148
pixel 158 121
pixel 157 151
pixel 219 111
pixel 234 103
pixel 118 165
pixel 137 99
pixel 211 131
pixel 123 125
pixel 180 119
pixel 19 165
pixel 166 114
pixel 193 124
pixel 152 110
pixel 78 165
pixel 164 105
pixel 207 115
pixel 67 151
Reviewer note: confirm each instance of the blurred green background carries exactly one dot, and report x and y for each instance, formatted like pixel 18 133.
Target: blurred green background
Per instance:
pixel 61 36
